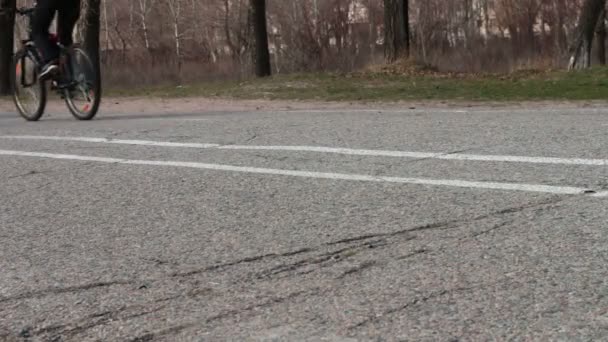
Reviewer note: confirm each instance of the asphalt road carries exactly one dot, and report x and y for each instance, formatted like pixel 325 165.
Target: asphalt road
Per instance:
pixel 467 224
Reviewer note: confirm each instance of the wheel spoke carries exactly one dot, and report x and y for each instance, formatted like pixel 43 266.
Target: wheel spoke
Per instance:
pixel 29 95
pixel 83 98
pixel 32 93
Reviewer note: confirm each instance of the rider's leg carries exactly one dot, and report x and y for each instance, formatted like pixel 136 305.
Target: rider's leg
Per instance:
pixel 43 16
pixel 69 11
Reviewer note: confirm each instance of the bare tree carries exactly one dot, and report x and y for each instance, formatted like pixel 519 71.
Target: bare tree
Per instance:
pixel 145 6
pixel 601 38
pixel 406 27
pixel 558 26
pixel 519 18
pixel 7 26
pixel 215 38
pixel 176 9
pixel 92 23
pixel 261 53
pixel 581 49
pixel 396 29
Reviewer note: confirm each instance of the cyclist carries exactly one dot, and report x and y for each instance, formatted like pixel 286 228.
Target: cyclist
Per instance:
pixel 68 12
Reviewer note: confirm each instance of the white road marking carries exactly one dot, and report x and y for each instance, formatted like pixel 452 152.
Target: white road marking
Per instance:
pixel 112 141
pixel 333 150
pixel 122 118
pixel 601 194
pixel 549 189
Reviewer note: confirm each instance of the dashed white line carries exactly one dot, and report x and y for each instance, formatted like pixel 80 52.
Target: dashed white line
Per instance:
pixel 334 150
pixel 601 194
pixel 549 189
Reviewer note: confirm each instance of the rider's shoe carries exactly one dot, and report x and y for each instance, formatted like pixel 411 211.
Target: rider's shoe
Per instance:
pixel 48 71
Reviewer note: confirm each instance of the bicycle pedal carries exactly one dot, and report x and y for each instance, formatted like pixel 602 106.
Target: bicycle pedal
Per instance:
pixel 63 86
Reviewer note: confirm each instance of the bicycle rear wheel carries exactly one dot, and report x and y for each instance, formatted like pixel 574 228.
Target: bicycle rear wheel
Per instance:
pixel 29 94
pixel 83 96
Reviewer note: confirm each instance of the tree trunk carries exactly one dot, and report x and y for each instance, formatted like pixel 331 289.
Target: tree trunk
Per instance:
pixel 561 41
pixel 396 29
pixel 7 27
pixel 486 19
pixel 406 26
pixel 106 24
pixel 178 46
pixel 91 44
pixel 372 34
pixel 261 54
pixel 175 7
pixel 601 38
pixel 581 49
pixel 143 14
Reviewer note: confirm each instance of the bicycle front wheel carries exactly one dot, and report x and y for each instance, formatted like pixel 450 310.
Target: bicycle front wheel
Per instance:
pixel 29 94
pixel 83 96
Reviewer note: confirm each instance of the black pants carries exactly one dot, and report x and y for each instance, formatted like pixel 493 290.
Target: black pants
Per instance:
pixel 67 11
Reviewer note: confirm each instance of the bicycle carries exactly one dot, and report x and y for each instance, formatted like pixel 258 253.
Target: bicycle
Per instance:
pixel 77 81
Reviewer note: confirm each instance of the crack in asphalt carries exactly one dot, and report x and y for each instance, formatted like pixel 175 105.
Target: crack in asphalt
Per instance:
pixel 437 155
pixel 492 229
pixel 60 290
pixel 325 259
pixel 358 269
pixel 421 300
pixel 353 246
pixel 331 257
pixel 414 253
pixel 246 260
pixel 162 333
pixel 455 222
pixel 25 175
pixel 226 315
pixel 65 330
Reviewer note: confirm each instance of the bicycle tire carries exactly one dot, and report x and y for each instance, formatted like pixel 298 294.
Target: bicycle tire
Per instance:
pixel 90 87
pixel 18 74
